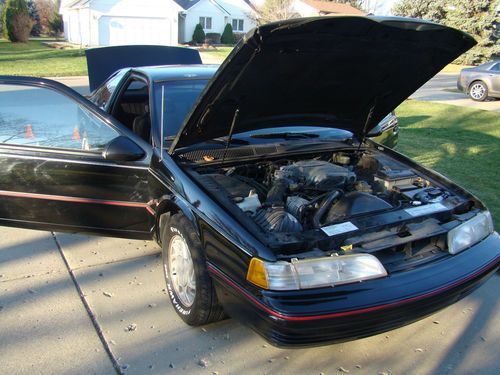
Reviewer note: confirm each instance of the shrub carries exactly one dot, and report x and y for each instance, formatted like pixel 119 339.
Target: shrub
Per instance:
pixel 199 34
pixel 212 38
pixel 10 21
pixel 238 37
pixel 21 27
pixel 228 35
pixel 1 19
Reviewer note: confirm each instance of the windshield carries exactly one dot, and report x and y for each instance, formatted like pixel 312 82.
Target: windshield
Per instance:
pixel 179 98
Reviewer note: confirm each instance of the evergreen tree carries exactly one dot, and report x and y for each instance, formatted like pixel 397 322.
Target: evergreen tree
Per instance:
pixel 199 34
pixel 476 17
pixel 227 35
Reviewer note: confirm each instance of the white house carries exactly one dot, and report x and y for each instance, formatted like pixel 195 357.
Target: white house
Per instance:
pixel 314 8
pixel 161 22
pixel 115 22
pixel 213 15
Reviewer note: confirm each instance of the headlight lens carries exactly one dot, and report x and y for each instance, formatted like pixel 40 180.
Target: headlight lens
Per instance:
pixel 470 232
pixel 314 273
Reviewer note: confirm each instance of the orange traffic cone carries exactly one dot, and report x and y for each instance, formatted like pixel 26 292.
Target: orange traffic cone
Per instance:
pixel 29 131
pixel 76 133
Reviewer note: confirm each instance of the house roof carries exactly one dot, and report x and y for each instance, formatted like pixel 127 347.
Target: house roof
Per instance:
pixel 71 4
pixel 186 4
pixel 329 7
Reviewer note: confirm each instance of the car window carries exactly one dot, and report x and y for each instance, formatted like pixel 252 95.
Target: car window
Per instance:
pixel 35 116
pixel 496 67
pixel 180 97
pixel 101 97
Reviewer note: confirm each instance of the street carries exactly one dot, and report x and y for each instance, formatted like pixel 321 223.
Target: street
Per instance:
pixel 443 89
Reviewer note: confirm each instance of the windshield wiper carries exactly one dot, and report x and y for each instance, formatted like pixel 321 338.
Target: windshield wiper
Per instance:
pixel 286 135
pixel 223 141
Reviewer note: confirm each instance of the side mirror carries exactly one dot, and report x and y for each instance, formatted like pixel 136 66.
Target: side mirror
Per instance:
pixel 375 132
pixel 123 149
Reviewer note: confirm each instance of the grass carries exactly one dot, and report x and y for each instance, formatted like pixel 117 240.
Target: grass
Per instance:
pixel 459 142
pixel 221 52
pixel 36 59
pixel 453 68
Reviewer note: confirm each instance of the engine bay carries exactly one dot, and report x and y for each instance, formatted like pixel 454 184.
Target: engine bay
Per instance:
pixel 339 202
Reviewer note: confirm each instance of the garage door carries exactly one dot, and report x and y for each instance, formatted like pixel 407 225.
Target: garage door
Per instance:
pixel 133 30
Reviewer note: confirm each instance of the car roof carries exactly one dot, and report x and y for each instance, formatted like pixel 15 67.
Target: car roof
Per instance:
pixel 170 72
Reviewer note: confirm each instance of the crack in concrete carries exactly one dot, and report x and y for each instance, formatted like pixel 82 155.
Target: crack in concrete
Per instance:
pixel 90 313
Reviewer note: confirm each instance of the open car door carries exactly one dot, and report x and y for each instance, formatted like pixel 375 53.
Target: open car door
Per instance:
pixel 65 165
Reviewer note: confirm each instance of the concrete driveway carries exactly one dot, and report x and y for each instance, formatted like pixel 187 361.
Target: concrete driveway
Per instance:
pixel 73 304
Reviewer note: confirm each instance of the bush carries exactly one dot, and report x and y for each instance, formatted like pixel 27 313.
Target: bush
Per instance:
pixel 21 27
pixel 199 34
pixel 238 37
pixel 212 38
pixel 11 21
pixel 228 35
pixel 1 19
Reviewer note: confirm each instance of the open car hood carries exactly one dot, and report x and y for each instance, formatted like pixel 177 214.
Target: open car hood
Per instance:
pixel 331 71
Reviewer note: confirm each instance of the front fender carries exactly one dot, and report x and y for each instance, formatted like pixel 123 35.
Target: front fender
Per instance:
pixel 169 205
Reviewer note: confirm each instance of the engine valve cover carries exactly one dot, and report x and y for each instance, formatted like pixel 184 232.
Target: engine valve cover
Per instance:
pixel 319 174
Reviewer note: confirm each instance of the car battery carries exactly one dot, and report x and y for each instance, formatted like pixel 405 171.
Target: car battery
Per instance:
pixel 387 179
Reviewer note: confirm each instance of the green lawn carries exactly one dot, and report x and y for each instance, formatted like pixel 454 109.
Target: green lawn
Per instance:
pixel 35 59
pixel 221 52
pixel 461 143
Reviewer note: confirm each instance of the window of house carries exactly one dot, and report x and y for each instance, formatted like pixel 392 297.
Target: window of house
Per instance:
pixel 237 25
pixel 206 23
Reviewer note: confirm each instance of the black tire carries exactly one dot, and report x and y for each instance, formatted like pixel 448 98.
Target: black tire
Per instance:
pixel 478 91
pixel 205 307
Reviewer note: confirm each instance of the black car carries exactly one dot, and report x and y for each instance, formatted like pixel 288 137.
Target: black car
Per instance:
pixel 268 200
pixel 126 95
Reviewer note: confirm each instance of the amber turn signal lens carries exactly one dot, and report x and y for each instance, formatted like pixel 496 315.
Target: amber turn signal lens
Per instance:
pixel 257 273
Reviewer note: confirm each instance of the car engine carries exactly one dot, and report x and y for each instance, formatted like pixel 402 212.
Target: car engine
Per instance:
pixel 292 196
pixel 364 201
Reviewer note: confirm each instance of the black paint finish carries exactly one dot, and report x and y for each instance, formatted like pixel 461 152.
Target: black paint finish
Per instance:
pixel 130 191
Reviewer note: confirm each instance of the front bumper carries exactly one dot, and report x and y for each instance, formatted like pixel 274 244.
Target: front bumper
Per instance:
pixel 327 315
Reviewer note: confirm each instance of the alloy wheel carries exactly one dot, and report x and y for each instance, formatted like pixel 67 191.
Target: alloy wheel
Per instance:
pixel 181 270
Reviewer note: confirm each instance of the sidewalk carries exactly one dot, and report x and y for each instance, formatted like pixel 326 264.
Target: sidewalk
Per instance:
pixel 44 327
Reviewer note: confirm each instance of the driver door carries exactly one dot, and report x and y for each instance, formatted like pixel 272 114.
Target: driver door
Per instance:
pixel 53 175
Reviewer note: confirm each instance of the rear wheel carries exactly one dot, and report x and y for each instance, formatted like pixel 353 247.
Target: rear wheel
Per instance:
pixel 478 91
pixel 189 285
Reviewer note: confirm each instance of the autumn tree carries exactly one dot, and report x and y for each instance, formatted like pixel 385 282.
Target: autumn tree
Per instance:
pixel 45 10
pixel 274 10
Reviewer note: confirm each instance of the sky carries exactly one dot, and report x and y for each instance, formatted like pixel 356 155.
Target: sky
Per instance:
pixel 380 7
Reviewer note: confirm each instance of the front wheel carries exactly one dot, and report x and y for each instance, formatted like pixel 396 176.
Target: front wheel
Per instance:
pixel 478 91
pixel 189 286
